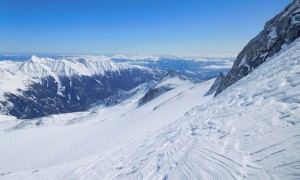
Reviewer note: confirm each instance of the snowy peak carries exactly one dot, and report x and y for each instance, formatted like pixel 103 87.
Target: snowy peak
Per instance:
pixel 33 66
pixel 34 58
pixel 278 32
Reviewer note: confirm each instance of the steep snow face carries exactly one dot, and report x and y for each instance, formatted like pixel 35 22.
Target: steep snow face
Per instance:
pixel 11 81
pixel 280 31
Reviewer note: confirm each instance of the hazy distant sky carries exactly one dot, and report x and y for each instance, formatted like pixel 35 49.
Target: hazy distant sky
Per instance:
pixel 143 27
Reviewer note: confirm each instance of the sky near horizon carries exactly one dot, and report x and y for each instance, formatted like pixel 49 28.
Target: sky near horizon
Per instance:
pixel 140 27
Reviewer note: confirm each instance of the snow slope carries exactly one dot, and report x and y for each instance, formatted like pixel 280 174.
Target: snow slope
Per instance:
pixel 62 146
pixel 249 131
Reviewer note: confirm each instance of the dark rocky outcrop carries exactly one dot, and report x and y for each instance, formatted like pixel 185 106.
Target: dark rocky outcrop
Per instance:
pixel 154 93
pixel 279 31
pixel 161 88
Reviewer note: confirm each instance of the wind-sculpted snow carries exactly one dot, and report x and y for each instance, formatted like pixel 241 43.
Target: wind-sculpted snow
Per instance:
pixel 249 131
pixel 66 146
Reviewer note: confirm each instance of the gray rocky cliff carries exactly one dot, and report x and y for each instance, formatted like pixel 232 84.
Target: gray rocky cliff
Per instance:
pixel 278 32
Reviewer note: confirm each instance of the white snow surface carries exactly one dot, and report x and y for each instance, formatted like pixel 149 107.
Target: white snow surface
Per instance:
pixel 65 143
pixel 249 131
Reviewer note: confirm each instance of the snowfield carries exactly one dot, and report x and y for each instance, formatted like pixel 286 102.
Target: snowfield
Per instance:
pixel 58 144
pixel 249 131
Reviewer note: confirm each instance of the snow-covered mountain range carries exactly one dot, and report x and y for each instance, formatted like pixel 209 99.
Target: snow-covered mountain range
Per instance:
pixel 40 86
pixel 43 86
pixel 39 68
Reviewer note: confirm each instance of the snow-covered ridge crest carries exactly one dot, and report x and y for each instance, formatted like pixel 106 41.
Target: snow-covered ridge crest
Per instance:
pixel 68 66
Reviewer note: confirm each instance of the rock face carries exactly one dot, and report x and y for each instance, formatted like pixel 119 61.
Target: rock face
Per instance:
pixel 278 32
pixel 216 84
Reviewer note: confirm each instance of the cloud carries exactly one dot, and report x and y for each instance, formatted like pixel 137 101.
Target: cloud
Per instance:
pixel 225 65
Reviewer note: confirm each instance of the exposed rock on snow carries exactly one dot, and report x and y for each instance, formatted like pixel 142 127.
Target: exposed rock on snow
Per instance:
pixel 170 81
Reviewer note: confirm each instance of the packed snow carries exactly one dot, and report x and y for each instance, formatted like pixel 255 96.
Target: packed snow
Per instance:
pixel 249 131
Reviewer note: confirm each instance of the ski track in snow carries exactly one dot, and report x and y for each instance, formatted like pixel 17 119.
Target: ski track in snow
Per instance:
pixel 249 131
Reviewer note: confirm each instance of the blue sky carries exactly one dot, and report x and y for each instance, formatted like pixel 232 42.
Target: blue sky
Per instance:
pixel 142 27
